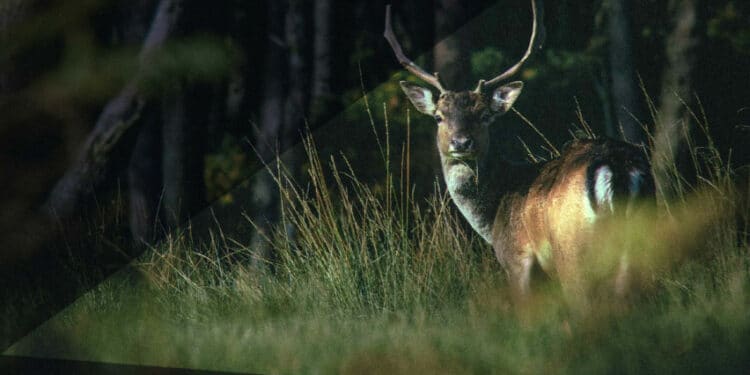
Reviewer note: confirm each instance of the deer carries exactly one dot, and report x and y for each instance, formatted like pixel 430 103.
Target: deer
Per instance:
pixel 534 215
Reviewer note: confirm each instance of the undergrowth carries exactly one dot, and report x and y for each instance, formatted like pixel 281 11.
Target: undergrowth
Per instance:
pixel 367 279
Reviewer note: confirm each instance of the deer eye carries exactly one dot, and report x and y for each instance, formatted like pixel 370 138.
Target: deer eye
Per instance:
pixel 438 118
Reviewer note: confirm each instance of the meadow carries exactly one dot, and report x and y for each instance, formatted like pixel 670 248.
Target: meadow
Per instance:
pixel 369 279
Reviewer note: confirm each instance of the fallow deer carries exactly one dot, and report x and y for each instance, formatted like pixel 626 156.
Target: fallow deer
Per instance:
pixel 539 214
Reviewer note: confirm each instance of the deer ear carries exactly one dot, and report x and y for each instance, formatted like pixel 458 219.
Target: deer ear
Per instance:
pixel 421 97
pixel 504 96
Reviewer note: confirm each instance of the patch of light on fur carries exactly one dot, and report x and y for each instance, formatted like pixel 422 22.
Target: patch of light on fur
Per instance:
pixel 544 256
pixel 603 186
pixel 428 101
pixel 588 211
pixel 525 279
pixel 456 176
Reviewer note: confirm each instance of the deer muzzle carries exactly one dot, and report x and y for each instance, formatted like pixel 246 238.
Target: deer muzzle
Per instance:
pixel 461 148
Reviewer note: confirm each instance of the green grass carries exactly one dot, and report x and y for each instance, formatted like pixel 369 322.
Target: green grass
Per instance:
pixel 375 281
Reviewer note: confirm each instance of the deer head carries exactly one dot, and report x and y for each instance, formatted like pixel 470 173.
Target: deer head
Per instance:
pixel 463 117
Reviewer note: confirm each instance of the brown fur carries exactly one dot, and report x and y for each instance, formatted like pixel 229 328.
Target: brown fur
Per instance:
pixel 551 214
pixel 535 214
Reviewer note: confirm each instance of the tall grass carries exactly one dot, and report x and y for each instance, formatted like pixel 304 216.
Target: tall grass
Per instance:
pixel 341 247
pixel 367 279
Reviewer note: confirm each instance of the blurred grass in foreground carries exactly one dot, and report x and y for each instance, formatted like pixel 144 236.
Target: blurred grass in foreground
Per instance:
pixel 375 282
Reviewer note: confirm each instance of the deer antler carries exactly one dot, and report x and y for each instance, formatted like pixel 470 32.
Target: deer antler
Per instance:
pixel 537 13
pixel 432 79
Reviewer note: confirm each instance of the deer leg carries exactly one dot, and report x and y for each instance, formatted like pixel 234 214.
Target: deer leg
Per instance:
pixel 623 279
pixel 519 275
pixel 629 282
pixel 573 282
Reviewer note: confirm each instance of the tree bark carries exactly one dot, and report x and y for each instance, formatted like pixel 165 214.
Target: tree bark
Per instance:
pixel 144 170
pixel 622 70
pixel 144 180
pixel 322 62
pixel 673 118
pixel 282 112
pixel 80 182
pixel 297 102
pixel 298 95
pixel 265 195
pixel 118 119
pixel 182 157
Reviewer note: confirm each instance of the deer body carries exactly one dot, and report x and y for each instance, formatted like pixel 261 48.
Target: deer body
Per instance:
pixel 546 214
pixel 542 214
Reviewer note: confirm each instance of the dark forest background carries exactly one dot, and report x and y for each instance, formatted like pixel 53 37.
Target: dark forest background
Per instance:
pixel 121 121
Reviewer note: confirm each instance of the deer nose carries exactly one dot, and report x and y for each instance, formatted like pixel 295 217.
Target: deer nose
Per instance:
pixel 461 144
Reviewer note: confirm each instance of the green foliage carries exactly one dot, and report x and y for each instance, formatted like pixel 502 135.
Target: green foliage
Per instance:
pixel 393 98
pixel 731 23
pixel 87 72
pixel 197 59
pixel 226 168
pixel 487 62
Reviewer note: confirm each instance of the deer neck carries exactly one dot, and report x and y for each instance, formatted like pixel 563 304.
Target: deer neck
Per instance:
pixel 479 187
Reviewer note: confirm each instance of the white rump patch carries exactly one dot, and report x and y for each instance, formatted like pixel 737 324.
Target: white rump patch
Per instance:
pixel 588 210
pixel 603 186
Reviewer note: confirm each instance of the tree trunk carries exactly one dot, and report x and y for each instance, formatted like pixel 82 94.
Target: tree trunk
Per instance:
pixel 118 119
pixel 144 180
pixel 144 170
pixel 450 56
pixel 282 112
pixel 265 195
pixel 73 192
pixel 174 143
pixel 182 158
pixel 673 117
pixel 298 95
pixel 322 61
pixel 622 69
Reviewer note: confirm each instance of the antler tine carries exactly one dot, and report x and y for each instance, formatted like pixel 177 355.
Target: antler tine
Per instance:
pixel 537 14
pixel 432 79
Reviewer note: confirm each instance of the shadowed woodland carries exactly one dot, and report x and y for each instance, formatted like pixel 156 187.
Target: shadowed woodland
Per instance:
pixel 126 122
